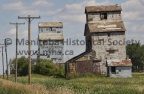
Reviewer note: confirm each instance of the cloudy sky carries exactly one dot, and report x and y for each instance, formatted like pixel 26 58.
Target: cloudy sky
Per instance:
pixel 70 12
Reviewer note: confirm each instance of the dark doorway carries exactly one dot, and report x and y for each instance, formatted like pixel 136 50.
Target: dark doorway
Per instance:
pixel 113 70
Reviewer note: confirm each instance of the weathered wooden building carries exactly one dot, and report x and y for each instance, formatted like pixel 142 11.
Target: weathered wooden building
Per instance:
pixel 51 41
pixel 105 40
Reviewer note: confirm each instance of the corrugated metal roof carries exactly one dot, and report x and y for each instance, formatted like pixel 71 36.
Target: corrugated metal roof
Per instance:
pixel 116 62
pixel 51 37
pixel 106 26
pixel 103 8
pixel 50 24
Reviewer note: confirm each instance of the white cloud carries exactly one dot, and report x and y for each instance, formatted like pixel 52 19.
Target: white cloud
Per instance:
pixel 133 18
pixel 75 12
pixel 42 3
pixel 14 6
pixel 12 31
pixel 133 10
pixel 24 33
pixel 29 12
pixel 73 18
pixel 22 9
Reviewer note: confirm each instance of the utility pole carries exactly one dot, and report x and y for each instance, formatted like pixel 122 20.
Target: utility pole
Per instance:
pixel 2 61
pixel 29 19
pixel 6 60
pixel 16 24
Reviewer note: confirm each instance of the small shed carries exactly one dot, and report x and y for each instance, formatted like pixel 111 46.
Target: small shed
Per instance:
pixel 119 68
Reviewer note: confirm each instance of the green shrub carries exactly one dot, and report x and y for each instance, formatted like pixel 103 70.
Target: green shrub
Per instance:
pixel 22 66
pixel 72 75
pixel 87 75
pixel 46 67
pixel 60 71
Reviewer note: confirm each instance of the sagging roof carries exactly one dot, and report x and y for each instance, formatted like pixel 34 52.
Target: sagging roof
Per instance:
pixel 51 37
pixel 102 8
pixel 117 62
pixel 105 26
pixel 50 24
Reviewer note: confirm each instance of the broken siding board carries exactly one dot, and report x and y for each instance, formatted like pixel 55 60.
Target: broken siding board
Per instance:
pixel 51 36
pixel 108 8
pixel 105 26
pixel 111 16
pixel 50 24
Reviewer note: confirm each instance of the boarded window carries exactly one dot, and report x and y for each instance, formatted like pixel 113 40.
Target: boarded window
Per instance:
pixel 58 31
pixel 48 29
pixel 119 70
pixel 41 29
pixel 45 42
pixel 111 51
pixel 103 16
pixel 41 43
pixel 113 70
pixel 54 30
pixel 108 34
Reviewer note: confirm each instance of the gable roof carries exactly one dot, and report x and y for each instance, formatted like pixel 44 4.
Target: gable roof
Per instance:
pixel 103 8
pixel 50 24
pixel 105 26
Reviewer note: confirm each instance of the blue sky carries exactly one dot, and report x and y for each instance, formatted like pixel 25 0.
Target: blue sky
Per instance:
pixel 71 13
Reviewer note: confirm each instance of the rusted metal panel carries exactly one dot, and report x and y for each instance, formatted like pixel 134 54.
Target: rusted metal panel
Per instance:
pixel 50 24
pixel 87 66
pixel 96 68
pixel 44 36
pixel 108 8
pixel 84 67
pixel 119 62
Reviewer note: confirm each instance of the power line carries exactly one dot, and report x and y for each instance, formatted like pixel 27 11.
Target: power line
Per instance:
pixel 35 7
pixel 53 14
pixel 64 9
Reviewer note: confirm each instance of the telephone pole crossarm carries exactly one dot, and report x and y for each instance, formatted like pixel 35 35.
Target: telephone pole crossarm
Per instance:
pixel 17 23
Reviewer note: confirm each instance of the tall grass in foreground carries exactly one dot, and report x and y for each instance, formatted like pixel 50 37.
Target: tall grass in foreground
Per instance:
pixel 84 85
pixel 8 87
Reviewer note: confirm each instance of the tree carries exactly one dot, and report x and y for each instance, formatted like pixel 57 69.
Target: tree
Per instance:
pixel 43 67
pixel 22 66
pixel 46 67
pixel 136 54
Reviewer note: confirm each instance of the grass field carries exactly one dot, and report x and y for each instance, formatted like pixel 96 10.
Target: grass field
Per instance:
pixel 84 85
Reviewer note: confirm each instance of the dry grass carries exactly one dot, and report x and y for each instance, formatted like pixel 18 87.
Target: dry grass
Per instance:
pixel 18 88
pixel 85 85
